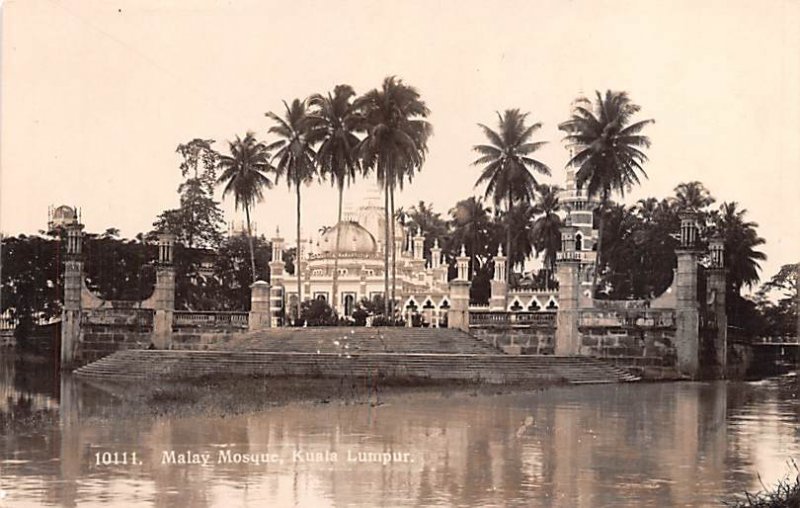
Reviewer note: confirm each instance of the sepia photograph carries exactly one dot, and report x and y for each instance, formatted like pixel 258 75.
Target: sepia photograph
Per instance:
pixel 359 253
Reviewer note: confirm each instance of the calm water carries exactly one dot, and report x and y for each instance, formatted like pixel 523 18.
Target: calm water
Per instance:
pixel 681 444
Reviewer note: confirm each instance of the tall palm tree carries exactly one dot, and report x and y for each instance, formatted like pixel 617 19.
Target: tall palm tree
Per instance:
pixel 295 159
pixel 335 119
pixel 607 150
pixel 547 228
pixel 244 173
pixel 508 168
pixel 394 146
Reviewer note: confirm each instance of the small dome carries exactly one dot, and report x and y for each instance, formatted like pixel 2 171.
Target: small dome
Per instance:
pixel 354 239
pixel 64 212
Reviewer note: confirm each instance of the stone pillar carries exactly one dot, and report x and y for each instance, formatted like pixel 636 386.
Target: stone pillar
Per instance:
pixel 716 297
pixel 568 337
pixel 436 255
pixel 419 246
pixel 165 293
pixel 73 283
pixel 687 318
pixel 499 283
pixel 458 313
pixel 260 316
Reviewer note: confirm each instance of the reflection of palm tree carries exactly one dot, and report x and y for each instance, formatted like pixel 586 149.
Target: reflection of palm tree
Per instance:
pixel 335 121
pixel 607 150
pixel 295 159
pixel 547 228
pixel 244 175
pixel 507 165
pixel 394 146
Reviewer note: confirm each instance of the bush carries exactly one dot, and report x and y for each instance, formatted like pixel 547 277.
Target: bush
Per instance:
pixel 317 312
pixel 785 495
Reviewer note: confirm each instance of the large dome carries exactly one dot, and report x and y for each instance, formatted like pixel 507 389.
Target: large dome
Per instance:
pixel 354 239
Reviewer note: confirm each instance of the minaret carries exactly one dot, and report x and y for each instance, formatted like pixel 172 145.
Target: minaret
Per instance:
pixel 277 271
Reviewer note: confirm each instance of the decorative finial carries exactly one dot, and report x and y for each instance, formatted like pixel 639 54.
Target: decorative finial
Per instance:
pixel 435 243
pixel 463 252
pixel 500 250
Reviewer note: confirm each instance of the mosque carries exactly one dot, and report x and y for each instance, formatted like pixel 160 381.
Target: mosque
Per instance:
pixel 420 283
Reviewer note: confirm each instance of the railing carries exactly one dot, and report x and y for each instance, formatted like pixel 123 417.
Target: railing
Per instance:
pixel 778 340
pixel 138 318
pixel 628 318
pixel 512 319
pixel 216 320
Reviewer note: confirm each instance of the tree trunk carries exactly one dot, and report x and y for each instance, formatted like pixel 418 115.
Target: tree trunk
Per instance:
pixel 508 245
pixel 250 241
pixel 335 289
pixel 600 228
pixel 386 247
pixel 297 257
pixel 394 249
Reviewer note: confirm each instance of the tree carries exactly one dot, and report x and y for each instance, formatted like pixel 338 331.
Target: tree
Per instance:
pixel 693 196
pixel 423 219
pixel 508 169
pixel 741 239
pixel 244 173
pixel 469 223
pixel 607 150
pixel 295 158
pixel 336 120
pixel 781 315
pixel 394 146
pixel 546 232
pixel 198 221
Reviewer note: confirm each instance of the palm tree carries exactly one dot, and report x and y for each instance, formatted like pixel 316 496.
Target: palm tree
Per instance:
pixel 741 239
pixel 692 195
pixel 394 147
pixel 295 158
pixel 547 228
pixel 244 175
pixel 606 149
pixel 507 165
pixel 336 120
pixel 470 226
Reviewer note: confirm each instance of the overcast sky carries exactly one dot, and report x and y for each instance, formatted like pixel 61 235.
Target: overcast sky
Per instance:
pixel 96 95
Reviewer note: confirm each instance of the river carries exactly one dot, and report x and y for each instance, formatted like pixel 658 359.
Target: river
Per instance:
pixel 638 445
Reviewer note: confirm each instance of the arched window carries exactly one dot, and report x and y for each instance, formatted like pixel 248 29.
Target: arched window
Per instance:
pixel 578 241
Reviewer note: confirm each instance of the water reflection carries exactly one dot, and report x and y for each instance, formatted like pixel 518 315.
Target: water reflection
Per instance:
pixel 629 445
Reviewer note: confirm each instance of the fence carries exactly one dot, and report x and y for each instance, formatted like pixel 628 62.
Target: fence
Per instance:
pixel 502 319
pixel 215 320
pixel 141 319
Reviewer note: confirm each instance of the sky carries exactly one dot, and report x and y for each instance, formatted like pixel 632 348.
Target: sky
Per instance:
pixel 96 95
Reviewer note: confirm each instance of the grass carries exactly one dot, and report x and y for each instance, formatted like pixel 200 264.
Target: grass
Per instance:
pixel 232 395
pixel 786 494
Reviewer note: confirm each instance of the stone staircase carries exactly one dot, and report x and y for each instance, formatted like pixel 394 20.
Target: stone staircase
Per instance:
pixel 359 340
pixel 489 368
